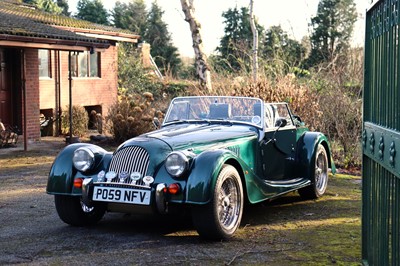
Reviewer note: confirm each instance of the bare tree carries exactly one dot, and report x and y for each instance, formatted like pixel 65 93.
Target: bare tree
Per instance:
pixel 255 42
pixel 202 68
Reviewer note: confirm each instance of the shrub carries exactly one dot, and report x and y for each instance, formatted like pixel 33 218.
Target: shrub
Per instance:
pixel 80 120
pixel 301 100
pixel 133 77
pixel 342 123
pixel 131 116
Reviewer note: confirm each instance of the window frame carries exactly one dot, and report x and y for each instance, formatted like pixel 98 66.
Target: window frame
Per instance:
pixel 76 64
pixel 49 61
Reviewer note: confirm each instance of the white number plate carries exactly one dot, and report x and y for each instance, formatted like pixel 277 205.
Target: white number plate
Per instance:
pixel 122 195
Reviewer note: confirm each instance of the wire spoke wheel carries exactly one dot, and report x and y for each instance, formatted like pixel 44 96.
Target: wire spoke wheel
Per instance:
pixel 85 208
pixel 228 203
pixel 221 217
pixel 319 178
pixel 321 172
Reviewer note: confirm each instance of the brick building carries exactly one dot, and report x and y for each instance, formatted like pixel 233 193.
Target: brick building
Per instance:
pixel 38 49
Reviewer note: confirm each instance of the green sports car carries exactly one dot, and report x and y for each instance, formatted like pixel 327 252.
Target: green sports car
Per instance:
pixel 211 155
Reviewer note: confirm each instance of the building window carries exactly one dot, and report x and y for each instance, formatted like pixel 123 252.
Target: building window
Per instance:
pixel 85 64
pixel 44 63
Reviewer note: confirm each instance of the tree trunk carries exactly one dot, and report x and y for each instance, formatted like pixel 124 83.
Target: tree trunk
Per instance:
pixel 202 67
pixel 255 42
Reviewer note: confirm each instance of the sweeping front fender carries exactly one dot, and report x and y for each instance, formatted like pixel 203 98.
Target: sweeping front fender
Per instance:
pixel 306 147
pixel 62 172
pixel 202 179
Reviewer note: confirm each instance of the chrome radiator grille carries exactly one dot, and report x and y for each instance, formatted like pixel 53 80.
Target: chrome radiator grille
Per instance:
pixel 129 160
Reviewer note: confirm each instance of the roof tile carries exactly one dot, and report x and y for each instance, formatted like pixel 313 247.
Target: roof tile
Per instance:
pixel 24 20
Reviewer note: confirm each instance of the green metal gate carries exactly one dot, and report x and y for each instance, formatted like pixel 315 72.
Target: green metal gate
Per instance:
pixel 381 136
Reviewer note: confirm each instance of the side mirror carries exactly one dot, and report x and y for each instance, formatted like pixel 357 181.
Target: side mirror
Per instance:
pixel 297 121
pixel 281 122
pixel 297 118
pixel 156 123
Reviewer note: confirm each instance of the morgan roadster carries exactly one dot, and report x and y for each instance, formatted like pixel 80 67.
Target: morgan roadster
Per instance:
pixel 211 155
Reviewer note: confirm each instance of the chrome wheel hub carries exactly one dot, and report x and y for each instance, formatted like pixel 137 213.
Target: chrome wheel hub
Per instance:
pixel 228 203
pixel 321 170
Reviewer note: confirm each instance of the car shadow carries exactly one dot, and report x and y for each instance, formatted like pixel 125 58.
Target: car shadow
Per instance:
pixel 180 225
pixel 288 208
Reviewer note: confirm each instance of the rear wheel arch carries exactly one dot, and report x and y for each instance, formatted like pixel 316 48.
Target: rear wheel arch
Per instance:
pixel 306 148
pixel 318 174
pixel 328 152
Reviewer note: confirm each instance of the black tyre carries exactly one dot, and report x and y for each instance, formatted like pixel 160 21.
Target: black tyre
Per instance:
pixel 319 179
pixel 221 217
pixel 73 211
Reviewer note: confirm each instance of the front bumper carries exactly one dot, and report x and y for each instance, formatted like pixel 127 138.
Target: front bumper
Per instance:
pixel 157 198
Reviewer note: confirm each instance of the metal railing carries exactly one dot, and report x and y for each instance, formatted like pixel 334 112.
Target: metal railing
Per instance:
pixel 381 136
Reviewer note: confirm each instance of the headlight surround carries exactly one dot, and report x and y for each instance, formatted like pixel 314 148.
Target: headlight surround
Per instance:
pixel 83 159
pixel 177 163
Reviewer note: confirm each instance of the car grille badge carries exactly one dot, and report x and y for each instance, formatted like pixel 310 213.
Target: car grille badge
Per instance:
pixel 148 180
pixel 135 176
pixel 123 176
pixel 100 176
pixel 110 176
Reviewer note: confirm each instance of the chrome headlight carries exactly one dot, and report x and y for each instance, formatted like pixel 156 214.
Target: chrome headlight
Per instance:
pixel 83 159
pixel 177 163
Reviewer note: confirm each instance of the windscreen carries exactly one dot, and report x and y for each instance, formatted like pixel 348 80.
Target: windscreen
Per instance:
pixel 214 109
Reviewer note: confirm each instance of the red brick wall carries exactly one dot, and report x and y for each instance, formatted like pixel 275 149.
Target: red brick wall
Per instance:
pixel 32 94
pixel 92 91
pixel 85 91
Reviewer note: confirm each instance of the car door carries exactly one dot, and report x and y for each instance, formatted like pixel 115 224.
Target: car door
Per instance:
pixel 279 143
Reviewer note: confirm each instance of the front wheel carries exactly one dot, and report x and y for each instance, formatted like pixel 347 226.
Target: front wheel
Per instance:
pixel 319 180
pixel 220 218
pixel 73 211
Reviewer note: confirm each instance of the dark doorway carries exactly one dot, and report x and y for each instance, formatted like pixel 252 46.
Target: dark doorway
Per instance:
pixel 95 118
pixel 10 87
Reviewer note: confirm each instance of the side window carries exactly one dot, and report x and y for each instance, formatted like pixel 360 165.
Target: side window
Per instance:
pixel 283 112
pixel 44 63
pixel 269 115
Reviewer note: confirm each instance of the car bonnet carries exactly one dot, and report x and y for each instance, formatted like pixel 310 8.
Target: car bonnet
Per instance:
pixel 202 136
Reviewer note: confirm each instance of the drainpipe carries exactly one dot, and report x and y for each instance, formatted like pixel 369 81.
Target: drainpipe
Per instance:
pixel 58 92
pixel 70 96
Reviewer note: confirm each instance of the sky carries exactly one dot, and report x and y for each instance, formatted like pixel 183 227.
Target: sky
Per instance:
pixel 294 17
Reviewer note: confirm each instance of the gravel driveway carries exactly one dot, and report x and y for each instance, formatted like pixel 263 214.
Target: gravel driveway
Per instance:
pixel 283 232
